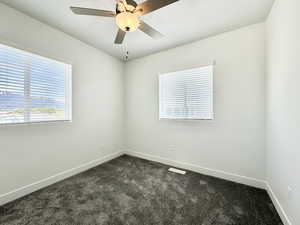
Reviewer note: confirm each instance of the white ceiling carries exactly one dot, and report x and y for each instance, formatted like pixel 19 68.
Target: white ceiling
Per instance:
pixel 181 22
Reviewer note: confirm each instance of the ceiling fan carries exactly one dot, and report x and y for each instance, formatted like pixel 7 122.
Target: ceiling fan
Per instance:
pixel 127 15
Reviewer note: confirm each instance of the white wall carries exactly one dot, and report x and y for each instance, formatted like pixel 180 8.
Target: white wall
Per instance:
pixel 283 106
pixel 234 141
pixel 29 153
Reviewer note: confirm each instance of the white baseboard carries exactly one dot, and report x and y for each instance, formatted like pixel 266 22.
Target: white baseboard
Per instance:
pixel 23 191
pixel 20 192
pixel 278 206
pixel 219 174
pixel 203 170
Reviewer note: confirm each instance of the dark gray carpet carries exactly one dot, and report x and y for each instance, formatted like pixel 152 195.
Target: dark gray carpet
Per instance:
pixel 133 191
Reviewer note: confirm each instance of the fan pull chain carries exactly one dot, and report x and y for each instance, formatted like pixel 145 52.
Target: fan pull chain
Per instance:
pixel 126 57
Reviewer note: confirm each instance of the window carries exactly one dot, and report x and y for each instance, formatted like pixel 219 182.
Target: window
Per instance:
pixel 187 94
pixel 33 88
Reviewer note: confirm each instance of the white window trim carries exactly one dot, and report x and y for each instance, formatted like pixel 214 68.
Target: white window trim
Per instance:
pixel 213 63
pixel 69 92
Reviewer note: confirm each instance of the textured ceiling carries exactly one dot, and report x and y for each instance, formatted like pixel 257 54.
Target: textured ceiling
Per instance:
pixel 181 22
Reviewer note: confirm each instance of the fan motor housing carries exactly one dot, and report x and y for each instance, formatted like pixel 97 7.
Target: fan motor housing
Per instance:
pixel 130 3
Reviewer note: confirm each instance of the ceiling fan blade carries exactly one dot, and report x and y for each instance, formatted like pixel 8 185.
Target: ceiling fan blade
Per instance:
pixel 120 36
pixel 147 29
pixel 152 5
pixel 92 12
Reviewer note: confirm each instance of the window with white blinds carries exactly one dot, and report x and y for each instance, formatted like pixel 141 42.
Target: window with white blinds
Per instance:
pixel 187 94
pixel 33 88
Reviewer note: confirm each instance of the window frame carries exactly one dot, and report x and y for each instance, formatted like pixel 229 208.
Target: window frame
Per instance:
pixel 213 63
pixel 68 90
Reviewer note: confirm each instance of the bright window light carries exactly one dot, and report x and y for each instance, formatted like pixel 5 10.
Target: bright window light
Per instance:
pixel 33 89
pixel 187 94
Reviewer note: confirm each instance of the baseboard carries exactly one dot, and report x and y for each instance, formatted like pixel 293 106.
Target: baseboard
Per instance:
pixel 20 192
pixel 23 191
pixel 203 170
pixel 278 206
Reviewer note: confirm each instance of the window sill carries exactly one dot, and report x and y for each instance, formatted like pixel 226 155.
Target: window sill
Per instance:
pixel 34 123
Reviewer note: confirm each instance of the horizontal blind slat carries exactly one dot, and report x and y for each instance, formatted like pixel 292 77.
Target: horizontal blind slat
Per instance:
pixel 32 84
pixel 187 94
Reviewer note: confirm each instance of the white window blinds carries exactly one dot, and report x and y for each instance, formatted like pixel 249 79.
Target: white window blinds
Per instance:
pixel 33 88
pixel 187 94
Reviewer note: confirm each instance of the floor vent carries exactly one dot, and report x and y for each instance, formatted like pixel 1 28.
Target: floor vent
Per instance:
pixel 174 170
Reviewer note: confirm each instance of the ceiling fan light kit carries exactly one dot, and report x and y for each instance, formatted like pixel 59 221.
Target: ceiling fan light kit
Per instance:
pixel 127 21
pixel 127 15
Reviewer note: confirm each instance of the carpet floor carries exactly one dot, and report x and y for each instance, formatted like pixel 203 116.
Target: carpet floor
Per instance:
pixel 133 191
